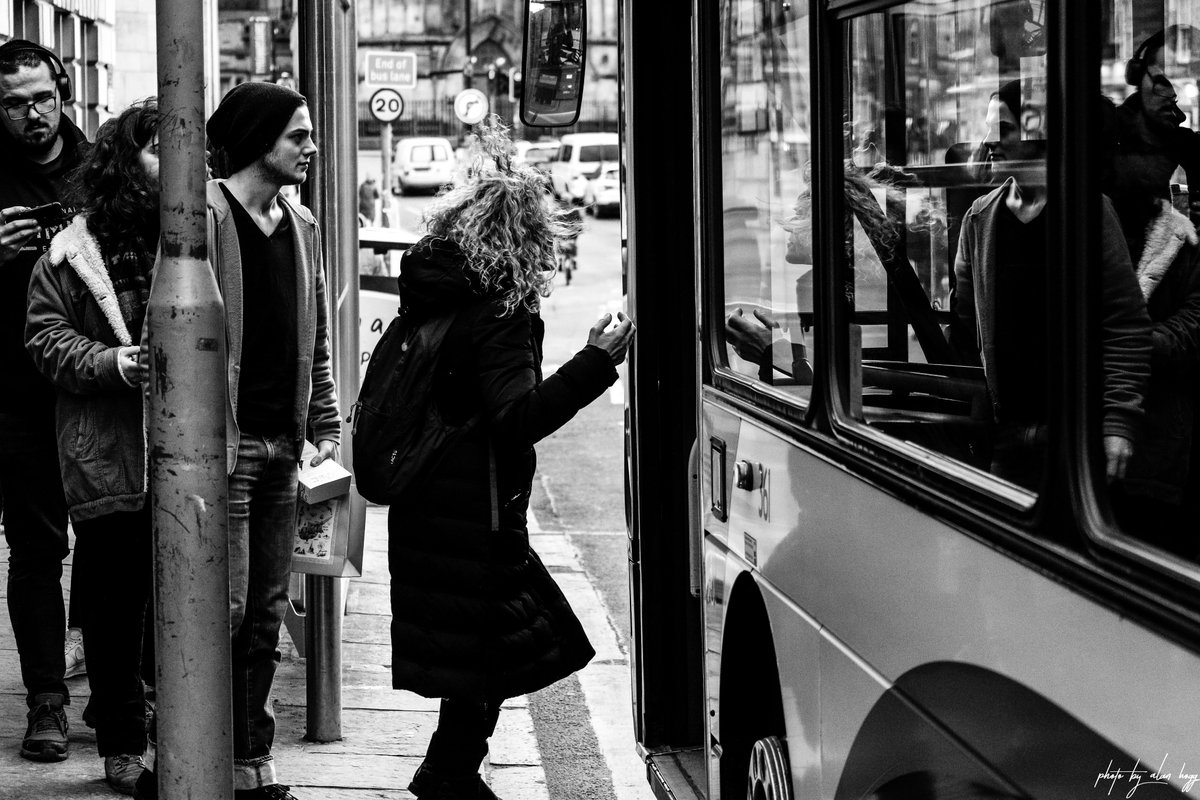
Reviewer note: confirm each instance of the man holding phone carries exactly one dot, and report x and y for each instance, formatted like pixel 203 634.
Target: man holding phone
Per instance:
pixel 40 146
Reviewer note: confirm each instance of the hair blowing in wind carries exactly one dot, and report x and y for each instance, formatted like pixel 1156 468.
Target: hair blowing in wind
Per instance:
pixel 503 219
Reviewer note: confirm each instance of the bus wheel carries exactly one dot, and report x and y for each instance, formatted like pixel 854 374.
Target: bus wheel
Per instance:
pixel 768 777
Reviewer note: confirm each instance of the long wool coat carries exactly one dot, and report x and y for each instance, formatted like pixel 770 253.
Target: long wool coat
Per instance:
pixel 474 612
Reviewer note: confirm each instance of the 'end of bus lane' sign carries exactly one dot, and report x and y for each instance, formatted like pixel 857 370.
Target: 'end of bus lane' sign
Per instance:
pixel 391 69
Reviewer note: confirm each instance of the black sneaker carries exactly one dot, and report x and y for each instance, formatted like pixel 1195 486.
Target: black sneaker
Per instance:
pixel 46 737
pixel 272 791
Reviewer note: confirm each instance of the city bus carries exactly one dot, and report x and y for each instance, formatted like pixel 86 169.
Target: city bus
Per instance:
pixel 852 573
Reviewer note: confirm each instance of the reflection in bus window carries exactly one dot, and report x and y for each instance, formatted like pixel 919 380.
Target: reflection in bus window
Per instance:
pixel 973 382
pixel 765 149
pixel 1151 158
pixel 924 152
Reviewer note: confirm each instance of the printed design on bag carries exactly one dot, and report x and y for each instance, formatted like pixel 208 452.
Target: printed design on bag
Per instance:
pixel 314 530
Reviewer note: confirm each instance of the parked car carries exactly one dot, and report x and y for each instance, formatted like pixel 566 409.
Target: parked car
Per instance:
pixel 579 158
pixel 537 154
pixel 422 163
pixel 602 196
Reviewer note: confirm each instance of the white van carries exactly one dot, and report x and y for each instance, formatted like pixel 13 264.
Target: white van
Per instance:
pixel 579 158
pixel 422 163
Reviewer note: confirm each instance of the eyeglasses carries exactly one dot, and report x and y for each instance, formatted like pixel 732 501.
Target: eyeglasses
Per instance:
pixel 21 110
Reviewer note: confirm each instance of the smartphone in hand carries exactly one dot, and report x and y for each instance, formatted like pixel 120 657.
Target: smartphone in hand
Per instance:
pixel 50 215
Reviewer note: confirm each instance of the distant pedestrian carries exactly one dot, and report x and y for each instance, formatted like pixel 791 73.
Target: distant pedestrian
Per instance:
pixel 87 304
pixel 40 146
pixel 368 196
pixel 476 618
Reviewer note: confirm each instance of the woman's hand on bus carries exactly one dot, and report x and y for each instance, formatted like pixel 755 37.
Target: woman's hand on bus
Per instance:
pixel 615 342
pixel 1117 452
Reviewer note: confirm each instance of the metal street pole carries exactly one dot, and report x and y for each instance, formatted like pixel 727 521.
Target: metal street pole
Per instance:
pixel 385 185
pixel 468 68
pixel 328 79
pixel 186 430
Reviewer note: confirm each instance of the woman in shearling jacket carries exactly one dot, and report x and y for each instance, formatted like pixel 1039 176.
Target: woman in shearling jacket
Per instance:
pixel 476 618
pixel 87 304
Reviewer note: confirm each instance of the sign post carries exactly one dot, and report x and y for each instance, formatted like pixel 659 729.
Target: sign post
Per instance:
pixel 386 106
pixel 388 71
pixel 470 106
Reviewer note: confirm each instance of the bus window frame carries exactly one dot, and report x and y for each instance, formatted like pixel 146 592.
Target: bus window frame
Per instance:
pixel 1074 413
pixel 1027 525
pixel 927 471
pixel 756 397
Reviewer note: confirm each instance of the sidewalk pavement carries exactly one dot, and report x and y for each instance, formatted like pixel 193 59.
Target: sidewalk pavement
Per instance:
pixel 384 731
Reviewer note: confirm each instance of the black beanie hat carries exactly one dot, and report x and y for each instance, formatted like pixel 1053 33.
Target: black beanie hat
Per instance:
pixel 249 119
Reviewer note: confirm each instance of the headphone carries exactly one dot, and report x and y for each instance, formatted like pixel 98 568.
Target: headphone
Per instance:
pixel 1135 67
pixel 61 79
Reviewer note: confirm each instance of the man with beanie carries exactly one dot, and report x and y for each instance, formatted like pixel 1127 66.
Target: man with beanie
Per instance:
pixel 40 146
pixel 268 263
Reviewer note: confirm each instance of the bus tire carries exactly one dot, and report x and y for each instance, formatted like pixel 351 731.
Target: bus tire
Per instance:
pixel 751 702
pixel 768 777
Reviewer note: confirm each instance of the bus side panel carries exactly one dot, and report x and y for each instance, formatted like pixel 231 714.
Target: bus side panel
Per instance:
pixel 777 666
pixel 898 589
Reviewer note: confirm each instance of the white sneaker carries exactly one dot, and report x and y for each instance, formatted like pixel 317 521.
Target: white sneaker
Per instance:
pixel 73 654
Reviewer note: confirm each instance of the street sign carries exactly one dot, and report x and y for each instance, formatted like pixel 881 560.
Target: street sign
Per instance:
pixel 390 69
pixel 470 106
pixel 386 105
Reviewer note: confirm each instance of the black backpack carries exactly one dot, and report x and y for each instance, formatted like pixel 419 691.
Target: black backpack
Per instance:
pixel 396 426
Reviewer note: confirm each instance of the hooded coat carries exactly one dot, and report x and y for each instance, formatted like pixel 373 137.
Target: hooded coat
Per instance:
pixel 1169 276
pixel 74 330
pixel 475 614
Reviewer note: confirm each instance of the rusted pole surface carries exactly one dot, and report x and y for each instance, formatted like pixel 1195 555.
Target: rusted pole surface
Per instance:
pixel 186 429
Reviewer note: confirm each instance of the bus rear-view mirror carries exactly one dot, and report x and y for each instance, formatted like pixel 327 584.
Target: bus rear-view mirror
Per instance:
pixel 552 76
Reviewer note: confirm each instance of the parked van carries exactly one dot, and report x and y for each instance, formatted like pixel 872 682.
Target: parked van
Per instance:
pixel 425 162
pixel 580 156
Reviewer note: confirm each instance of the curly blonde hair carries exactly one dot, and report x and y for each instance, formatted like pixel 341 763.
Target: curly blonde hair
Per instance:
pixel 503 220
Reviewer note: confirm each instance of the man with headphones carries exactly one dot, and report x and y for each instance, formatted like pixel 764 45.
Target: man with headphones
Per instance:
pixel 40 147
pixel 1147 135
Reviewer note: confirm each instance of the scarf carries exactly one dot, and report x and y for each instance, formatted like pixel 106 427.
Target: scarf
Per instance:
pixel 129 267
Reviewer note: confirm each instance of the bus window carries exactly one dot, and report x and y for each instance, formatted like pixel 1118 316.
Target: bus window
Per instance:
pixel 1151 169
pixel 945 241
pixel 766 218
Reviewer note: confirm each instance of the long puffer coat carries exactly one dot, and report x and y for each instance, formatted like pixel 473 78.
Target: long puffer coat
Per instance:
pixel 475 614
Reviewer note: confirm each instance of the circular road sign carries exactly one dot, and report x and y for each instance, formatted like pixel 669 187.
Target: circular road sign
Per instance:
pixel 470 106
pixel 387 105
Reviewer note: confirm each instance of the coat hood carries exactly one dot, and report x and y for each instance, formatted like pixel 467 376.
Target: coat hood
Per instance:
pixel 434 277
pixel 76 245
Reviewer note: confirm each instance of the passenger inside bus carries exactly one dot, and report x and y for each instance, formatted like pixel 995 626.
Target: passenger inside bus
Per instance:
pixel 1144 148
pixel 1000 297
pixel 758 338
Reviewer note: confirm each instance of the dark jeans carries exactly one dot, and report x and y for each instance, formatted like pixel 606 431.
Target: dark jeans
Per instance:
pixel 460 742
pixel 262 527
pixel 115 568
pixel 35 526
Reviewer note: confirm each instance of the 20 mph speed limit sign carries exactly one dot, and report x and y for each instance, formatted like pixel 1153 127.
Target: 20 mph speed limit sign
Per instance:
pixel 387 105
